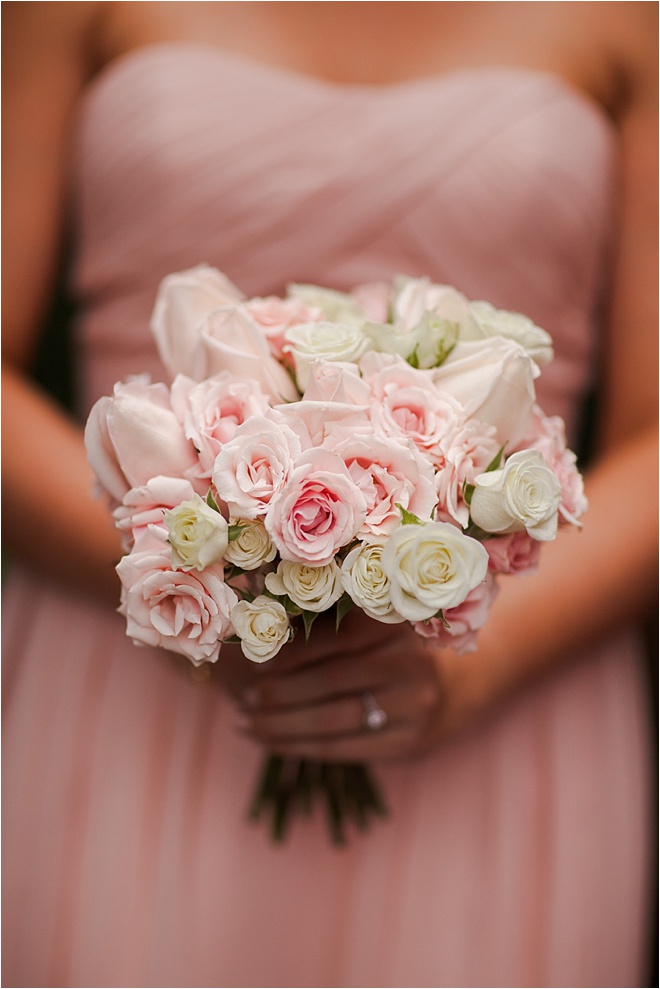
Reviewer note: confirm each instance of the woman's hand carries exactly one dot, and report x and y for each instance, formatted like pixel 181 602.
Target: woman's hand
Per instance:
pixel 309 701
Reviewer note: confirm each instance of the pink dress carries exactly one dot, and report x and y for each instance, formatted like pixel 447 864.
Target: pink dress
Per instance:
pixel 514 857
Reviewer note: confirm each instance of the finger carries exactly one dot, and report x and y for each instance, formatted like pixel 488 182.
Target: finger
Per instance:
pixel 392 743
pixel 312 684
pixel 347 715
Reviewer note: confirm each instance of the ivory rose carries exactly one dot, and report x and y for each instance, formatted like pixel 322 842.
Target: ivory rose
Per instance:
pixel 432 567
pixel 263 627
pixel 366 583
pixel 524 494
pixel 187 612
pixel 198 534
pixel 426 345
pixel 252 547
pixel 487 321
pixel 308 342
pixel 334 306
pixel 319 509
pixel 310 588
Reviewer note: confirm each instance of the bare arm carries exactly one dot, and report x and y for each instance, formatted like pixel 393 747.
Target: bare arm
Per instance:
pixel 51 518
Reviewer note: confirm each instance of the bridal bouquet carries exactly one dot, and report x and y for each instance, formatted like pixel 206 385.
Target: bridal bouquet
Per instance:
pixel 379 449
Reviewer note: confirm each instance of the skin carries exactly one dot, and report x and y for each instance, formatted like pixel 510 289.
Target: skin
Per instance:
pixel 306 702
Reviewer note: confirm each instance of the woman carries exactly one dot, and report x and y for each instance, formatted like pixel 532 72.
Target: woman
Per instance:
pixel 503 148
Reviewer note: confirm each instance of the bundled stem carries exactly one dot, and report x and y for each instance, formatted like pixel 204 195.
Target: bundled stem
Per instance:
pixel 288 787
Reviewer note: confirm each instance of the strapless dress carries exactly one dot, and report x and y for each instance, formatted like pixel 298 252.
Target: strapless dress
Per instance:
pixel 514 856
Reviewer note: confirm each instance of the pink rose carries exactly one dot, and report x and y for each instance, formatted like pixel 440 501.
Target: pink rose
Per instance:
pixel 210 412
pixel 388 474
pixel 143 507
pixel 186 612
pixel 183 302
pixel 318 511
pixel 494 381
pixel 417 296
pixel 463 621
pixel 252 467
pixel 408 406
pixel 316 422
pixel 274 316
pixel 467 451
pixel 230 341
pixel 101 452
pixel 334 381
pixel 374 299
pixel 135 436
pixel 548 436
pixel 516 553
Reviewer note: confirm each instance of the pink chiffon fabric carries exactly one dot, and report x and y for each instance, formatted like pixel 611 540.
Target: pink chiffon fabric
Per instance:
pixel 515 856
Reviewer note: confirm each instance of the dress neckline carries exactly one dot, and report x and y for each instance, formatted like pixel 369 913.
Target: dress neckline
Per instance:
pixel 140 54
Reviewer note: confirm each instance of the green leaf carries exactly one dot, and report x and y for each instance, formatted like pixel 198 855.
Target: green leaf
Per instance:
pixel 407 518
pixel 232 571
pixel 211 502
pixel 413 358
pixel 234 531
pixel 440 616
pixel 308 617
pixel 475 532
pixel 468 491
pixel 443 352
pixel 344 605
pixel 496 461
pixel 284 599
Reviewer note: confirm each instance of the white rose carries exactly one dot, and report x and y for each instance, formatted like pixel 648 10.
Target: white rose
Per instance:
pixel 524 494
pixel 252 547
pixel 337 307
pixel 311 588
pixel 432 567
pixel 198 534
pixel 262 626
pixel 487 321
pixel 367 584
pixel 426 345
pixel 308 342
